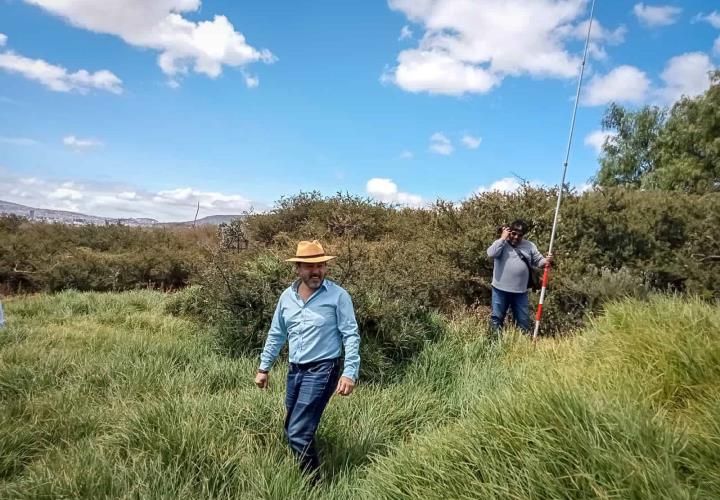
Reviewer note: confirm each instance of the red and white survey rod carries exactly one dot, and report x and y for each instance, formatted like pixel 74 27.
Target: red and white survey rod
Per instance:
pixel 546 273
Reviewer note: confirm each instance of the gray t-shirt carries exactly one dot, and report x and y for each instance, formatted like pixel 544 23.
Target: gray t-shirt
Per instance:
pixel 510 274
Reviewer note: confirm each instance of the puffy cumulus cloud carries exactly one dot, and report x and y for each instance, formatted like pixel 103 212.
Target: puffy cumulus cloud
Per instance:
pixel 183 45
pixel 506 185
pixel 470 46
pixel 599 37
pixel 511 185
pixel 120 200
pixel 624 84
pixel 685 75
pixel 597 138
pixel 209 200
pixel 471 142
pixel 66 191
pixel 3 39
pixel 440 144
pixel 76 143
pixel 656 15
pixel 56 77
pixel 386 190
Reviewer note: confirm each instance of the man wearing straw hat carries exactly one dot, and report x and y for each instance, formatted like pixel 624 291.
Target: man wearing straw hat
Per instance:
pixel 316 316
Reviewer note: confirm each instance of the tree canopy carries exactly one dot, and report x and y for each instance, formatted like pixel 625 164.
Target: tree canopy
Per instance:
pixel 660 148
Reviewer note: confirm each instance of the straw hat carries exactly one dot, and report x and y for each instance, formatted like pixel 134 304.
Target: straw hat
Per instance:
pixel 310 251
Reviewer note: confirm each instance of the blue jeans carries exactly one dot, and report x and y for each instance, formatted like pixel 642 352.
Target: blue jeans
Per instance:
pixel 309 388
pixel 519 304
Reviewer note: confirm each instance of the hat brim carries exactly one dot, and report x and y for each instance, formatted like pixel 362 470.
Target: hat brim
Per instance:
pixel 311 260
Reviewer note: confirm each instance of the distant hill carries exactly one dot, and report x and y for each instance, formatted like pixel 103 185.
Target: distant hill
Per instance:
pixel 210 220
pixel 76 218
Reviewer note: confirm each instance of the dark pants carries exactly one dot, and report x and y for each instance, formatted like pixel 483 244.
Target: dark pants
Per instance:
pixel 309 388
pixel 519 304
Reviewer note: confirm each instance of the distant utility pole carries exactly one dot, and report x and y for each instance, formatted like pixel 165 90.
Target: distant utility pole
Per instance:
pixel 196 214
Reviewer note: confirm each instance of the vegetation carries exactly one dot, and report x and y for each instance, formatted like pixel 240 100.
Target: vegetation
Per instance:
pixel 108 396
pixel 402 267
pixel 52 257
pixel 133 394
pixel 675 149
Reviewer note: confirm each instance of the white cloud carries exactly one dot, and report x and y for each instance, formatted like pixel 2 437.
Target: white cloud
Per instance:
pixel 3 39
pixel 406 155
pixel 183 45
pixel 685 75
pixel 119 200
pixel 66 193
pixel 624 84
pixel 251 81
pixel 386 190
pixel 599 35
pixel 597 138
pixel 76 143
pixel 405 33
pixel 440 144
pixel 58 78
pixel 506 185
pixel 656 15
pixel 19 141
pixel 470 46
pixel 713 18
pixel 471 142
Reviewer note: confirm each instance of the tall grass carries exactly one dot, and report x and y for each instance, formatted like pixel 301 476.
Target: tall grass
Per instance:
pixel 106 395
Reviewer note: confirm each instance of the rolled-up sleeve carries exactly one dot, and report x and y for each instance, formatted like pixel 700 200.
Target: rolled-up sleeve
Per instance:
pixel 496 248
pixel 350 336
pixel 275 339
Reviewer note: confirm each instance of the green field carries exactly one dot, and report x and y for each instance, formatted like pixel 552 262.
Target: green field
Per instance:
pixel 108 395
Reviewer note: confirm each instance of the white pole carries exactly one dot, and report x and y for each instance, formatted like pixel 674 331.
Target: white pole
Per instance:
pixel 546 273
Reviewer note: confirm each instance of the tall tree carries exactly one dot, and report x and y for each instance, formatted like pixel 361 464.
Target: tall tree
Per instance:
pixel 629 155
pixel 657 148
pixel 688 149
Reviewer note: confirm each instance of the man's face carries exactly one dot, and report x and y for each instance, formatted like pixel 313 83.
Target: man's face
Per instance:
pixel 312 274
pixel 516 236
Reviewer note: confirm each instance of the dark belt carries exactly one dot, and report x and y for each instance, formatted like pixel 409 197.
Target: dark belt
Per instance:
pixel 313 364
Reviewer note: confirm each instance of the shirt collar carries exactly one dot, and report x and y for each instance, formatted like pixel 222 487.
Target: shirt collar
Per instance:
pixel 296 285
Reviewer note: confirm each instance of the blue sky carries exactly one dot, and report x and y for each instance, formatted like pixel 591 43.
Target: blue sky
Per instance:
pixel 137 108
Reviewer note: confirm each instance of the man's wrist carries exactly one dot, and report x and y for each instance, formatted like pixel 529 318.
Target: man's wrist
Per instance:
pixel 265 372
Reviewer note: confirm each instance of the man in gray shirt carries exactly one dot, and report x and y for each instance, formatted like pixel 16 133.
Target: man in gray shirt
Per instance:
pixel 512 258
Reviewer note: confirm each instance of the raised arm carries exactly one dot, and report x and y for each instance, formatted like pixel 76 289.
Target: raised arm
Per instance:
pixel 495 250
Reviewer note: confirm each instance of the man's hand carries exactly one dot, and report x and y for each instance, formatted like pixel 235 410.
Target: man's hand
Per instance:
pixel 345 386
pixel 261 380
pixel 549 260
pixel 505 233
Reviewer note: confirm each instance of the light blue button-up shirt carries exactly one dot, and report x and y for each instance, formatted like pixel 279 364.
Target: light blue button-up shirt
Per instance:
pixel 316 329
